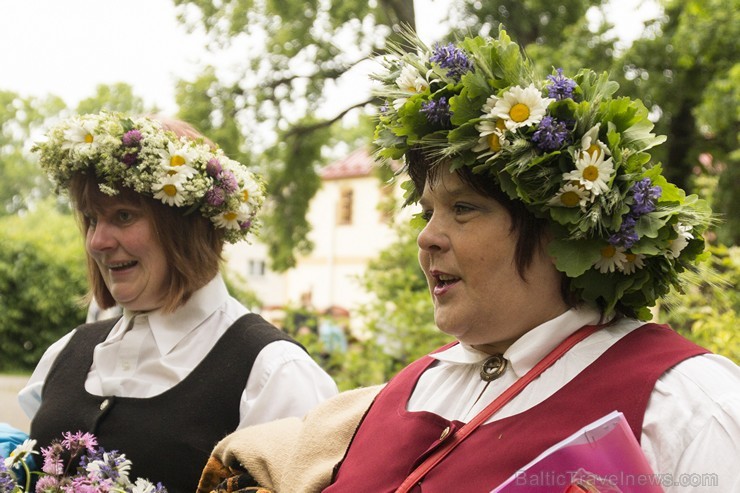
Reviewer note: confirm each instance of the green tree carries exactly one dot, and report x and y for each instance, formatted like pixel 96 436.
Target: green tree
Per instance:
pixel 42 283
pixel 20 119
pixel 114 97
pixel 687 72
pixel 282 98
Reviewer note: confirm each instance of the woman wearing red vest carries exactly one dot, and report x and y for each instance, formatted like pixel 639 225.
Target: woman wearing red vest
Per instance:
pixel 548 234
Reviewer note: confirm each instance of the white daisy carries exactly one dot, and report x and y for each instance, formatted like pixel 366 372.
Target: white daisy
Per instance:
pixel 633 262
pixel 410 81
pixel 177 158
pixel 570 195
pixel 143 486
pixel 231 219
pixel 81 133
pixel 250 192
pixel 20 452
pixel 489 105
pixel 612 258
pixel 169 189
pixel 590 142
pixel 676 246
pixel 592 171
pixel 520 107
pixel 492 136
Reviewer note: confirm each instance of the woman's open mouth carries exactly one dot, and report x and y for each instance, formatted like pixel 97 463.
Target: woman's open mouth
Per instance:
pixel 443 282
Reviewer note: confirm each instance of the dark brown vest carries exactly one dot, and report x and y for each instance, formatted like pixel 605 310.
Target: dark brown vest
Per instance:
pixel 168 437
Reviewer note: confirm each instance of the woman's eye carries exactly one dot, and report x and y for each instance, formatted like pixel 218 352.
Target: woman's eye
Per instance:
pixel 125 216
pixel 426 216
pixel 462 208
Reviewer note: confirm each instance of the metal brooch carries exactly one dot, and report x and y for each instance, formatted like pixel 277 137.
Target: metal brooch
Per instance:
pixel 493 367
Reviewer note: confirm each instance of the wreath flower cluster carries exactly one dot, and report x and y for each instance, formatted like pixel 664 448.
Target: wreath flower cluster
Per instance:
pixel 138 153
pixel 74 464
pixel 567 147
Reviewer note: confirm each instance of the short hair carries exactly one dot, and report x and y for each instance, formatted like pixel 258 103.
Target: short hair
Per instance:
pixel 191 244
pixel 531 230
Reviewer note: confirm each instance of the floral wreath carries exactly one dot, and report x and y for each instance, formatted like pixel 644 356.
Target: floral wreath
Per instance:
pixel 138 153
pixel 565 147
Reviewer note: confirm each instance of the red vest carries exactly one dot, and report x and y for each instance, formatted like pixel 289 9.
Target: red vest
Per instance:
pixel 391 441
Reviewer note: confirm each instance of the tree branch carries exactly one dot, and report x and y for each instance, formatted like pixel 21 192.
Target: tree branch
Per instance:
pixel 299 130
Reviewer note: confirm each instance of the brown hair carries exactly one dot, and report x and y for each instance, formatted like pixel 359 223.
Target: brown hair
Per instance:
pixel 531 230
pixel 191 244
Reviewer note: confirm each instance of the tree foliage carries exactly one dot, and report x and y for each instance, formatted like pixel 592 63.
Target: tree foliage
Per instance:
pixel 686 70
pixel 42 282
pixel 281 97
pixel 20 120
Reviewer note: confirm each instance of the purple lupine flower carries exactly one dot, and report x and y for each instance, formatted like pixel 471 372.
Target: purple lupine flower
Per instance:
pixel 215 196
pixel 560 87
pixel 130 159
pixel 626 236
pixel 645 196
pixel 437 112
pixel 213 168
pixel 550 135
pixel 454 59
pixel 131 138
pixel 7 484
pixel 228 181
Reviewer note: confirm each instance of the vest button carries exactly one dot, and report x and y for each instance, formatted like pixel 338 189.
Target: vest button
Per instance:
pixel 445 434
pixel 104 404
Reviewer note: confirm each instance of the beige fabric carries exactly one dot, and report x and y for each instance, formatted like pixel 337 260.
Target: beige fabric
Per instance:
pixel 294 455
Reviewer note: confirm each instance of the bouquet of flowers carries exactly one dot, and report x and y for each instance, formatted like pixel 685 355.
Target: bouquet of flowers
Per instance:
pixel 71 465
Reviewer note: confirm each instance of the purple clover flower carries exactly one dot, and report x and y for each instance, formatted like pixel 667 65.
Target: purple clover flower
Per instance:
pixel 437 112
pixel 454 59
pixel 246 224
pixel 228 181
pixel 130 159
pixel 560 87
pixel 213 168
pixel 550 135
pixel 131 138
pixel 215 196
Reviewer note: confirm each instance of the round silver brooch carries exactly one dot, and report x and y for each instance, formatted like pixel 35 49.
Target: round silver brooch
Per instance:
pixel 493 367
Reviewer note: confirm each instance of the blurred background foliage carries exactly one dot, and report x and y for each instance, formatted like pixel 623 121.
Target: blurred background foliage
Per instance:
pixel 279 112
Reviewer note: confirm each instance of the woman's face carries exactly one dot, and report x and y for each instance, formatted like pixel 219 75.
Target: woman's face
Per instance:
pixel 467 252
pixel 121 240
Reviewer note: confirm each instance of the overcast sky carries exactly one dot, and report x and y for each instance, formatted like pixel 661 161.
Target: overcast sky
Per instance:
pixel 68 47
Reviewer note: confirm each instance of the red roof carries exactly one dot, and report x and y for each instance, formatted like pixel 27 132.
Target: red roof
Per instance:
pixel 358 163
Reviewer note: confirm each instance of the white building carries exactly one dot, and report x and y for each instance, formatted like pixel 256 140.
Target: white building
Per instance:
pixel 349 228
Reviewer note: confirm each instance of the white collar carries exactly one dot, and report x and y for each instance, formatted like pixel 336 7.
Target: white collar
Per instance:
pixel 168 329
pixel 531 347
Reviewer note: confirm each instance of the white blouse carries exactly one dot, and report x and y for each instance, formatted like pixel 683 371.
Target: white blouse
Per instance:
pixel 691 430
pixel 146 354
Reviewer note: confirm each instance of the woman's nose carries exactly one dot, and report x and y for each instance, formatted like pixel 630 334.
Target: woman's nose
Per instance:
pixel 101 237
pixel 432 237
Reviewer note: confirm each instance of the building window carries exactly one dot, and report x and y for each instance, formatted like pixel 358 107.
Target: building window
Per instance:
pixel 257 268
pixel 344 213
